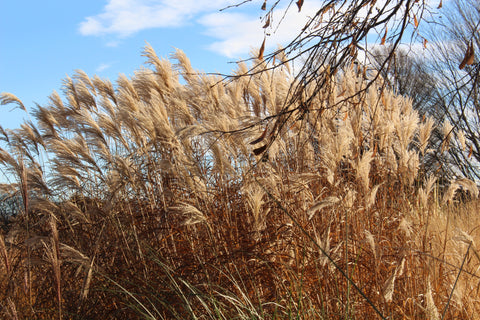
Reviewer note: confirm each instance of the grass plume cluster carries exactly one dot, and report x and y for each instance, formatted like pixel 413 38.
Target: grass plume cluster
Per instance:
pixel 145 199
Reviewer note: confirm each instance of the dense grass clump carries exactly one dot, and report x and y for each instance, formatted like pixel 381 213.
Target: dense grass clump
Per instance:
pixel 145 199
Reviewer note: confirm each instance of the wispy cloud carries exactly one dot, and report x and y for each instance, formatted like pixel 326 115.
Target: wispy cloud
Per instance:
pixel 237 34
pixel 126 17
pixel 103 66
pixel 234 32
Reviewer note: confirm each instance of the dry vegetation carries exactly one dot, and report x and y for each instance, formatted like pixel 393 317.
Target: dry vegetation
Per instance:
pixel 141 200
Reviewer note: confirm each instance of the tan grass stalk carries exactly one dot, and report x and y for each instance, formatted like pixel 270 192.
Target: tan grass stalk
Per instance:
pixel 255 203
pixel 467 184
pixel 371 196
pixel 462 236
pixel 405 128
pixel 163 68
pixel 389 286
pixel 363 169
pixel 72 255
pixel 349 198
pixel 326 202
pixel 189 213
pixel 447 135
pixel 87 281
pixel 12 313
pixel 450 193
pixel 56 262
pixel 406 226
pixel 430 184
pixel 6 98
pixel 371 241
pixel 5 256
pixel 424 133
pixel 461 139
pixel 431 308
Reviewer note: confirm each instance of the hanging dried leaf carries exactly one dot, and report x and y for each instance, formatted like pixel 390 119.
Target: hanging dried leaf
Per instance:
pixel 425 43
pixel 262 49
pixel 440 5
pixel 384 101
pixel 415 21
pixel 470 152
pixel 299 5
pixel 469 57
pixel 262 136
pixel 384 36
pixel 260 150
pixel 267 23
pixel 331 6
pixel 353 49
pixel 264 5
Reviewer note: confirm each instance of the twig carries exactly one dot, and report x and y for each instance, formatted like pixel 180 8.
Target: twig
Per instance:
pixel 456 280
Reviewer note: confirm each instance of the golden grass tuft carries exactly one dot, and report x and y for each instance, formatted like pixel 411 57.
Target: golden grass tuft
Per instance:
pixel 148 198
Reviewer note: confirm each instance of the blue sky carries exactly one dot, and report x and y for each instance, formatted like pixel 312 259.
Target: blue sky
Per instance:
pixel 44 41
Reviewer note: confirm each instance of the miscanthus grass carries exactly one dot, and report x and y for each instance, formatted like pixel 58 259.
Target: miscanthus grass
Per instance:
pixel 149 198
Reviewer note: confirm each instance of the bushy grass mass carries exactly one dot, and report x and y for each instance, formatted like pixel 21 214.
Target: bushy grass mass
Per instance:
pixel 175 195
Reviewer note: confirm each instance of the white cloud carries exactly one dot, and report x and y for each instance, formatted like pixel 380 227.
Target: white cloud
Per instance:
pixel 126 17
pixel 234 32
pixel 102 67
pixel 237 34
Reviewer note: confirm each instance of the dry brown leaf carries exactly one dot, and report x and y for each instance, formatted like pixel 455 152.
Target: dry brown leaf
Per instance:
pixel 331 6
pixel 425 43
pixel 319 22
pixel 469 57
pixel 264 5
pixel 299 5
pixel 415 21
pixel 260 150
pixel 472 55
pixel 353 49
pixel 262 136
pixel 267 23
pixel 262 49
pixel 470 152
pixel 440 5
pixel 384 36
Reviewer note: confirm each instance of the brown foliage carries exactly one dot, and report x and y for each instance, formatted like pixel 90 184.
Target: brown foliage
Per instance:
pixel 157 205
